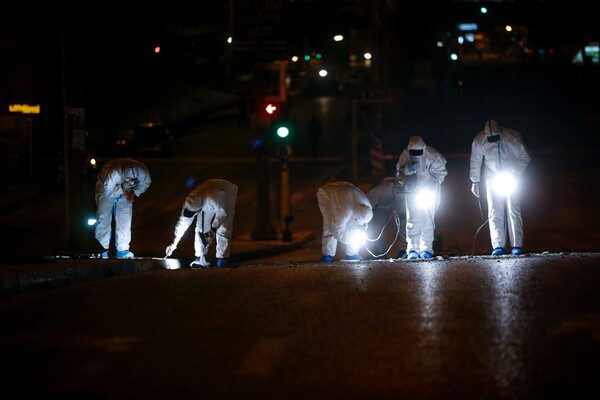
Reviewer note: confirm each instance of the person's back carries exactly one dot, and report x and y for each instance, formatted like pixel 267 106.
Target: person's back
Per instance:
pixel 345 194
pixel 212 194
pixel 344 208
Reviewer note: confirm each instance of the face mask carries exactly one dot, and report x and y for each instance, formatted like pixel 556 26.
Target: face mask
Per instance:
pixel 493 139
pixel 416 152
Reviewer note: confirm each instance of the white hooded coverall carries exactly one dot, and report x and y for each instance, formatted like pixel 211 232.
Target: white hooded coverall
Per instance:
pixel 344 207
pixel 509 154
pixel 116 177
pixel 430 170
pixel 212 203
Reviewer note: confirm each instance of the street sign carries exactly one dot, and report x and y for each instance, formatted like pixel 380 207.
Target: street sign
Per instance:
pixel 259 30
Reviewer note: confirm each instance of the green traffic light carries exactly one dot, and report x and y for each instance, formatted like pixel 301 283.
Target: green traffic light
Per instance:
pixel 283 131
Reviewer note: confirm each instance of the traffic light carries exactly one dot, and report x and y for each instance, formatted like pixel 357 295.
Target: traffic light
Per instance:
pixel 282 129
pixel 281 126
pixel 272 110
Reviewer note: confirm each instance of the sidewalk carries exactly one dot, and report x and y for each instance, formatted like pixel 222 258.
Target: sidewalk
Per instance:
pixel 54 272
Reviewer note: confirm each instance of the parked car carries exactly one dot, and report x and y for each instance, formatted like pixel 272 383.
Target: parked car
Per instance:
pixel 149 139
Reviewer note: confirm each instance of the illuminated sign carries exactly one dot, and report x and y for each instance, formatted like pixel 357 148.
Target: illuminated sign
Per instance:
pixel 467 27
pixel 24 108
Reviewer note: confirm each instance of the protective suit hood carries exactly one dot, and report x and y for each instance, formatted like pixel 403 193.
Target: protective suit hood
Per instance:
pixel 492 128
pixel 130 171
pixel 194 202
pixel 416 143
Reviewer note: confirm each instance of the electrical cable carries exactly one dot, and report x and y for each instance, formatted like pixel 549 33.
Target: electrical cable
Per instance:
pixel 482 225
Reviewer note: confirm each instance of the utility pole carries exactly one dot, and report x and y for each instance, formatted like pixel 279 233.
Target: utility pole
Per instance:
pixel 74 144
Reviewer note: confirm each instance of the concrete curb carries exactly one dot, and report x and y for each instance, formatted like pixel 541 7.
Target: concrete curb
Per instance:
pixel 65 272
pixel 15 279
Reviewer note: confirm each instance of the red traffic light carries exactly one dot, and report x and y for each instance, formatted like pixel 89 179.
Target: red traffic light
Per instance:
pixel 271 108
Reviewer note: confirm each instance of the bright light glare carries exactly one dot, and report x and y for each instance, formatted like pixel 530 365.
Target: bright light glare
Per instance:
pixel 358 238
pixel 338 38
pixel 91 221
pixel 172 263
pixel 425 198
pixel 504 183
pixel 93 162
pixel 323 73
pixel 367 56
pixel 283 132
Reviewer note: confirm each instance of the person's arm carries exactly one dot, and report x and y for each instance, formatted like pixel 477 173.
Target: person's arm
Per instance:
pixel 437 169
pixel 476 160
pixel 113 184
pixel 183 223
pixel 403 162
pixel 341 218
pixel 144 181
pixel 522 158
pixel 475 166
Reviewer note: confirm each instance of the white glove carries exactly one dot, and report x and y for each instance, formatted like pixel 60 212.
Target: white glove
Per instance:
pixel 170 249
pixel 411 168
pixel 210 235
pixel 475 189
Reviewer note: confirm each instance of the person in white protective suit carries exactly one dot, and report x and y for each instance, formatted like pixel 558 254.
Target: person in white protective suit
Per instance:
pixel 345 209
pixel 387 199
pixel 501 151
pixel 119 182
pixel 212 203
pixel 427 167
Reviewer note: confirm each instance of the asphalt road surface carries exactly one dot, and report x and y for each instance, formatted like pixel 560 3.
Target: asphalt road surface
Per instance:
pixel 462 328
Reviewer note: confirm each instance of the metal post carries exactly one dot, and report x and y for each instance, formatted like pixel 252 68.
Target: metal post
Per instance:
pixel 263 229
pixel 285 199
pixel 353 143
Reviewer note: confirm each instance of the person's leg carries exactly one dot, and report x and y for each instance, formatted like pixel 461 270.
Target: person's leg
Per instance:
pixel 225 231
pixel 497 218
pixel 413 227
pixel 200 250
pixel 427 230
pixel 515 221
pixel 328 242
pixel 123 217
pixel 104 214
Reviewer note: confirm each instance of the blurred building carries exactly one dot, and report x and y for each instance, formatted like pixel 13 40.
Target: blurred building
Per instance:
pixel 106 66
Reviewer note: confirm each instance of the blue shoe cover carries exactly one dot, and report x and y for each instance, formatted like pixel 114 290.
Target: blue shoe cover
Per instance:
pixel 222 261
pixel 498 251
pixel 124 254
pixel 104 255
pixel 327 259
pixel 413 255
pixel 354 257
pixel 517 251
pixel 426 254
